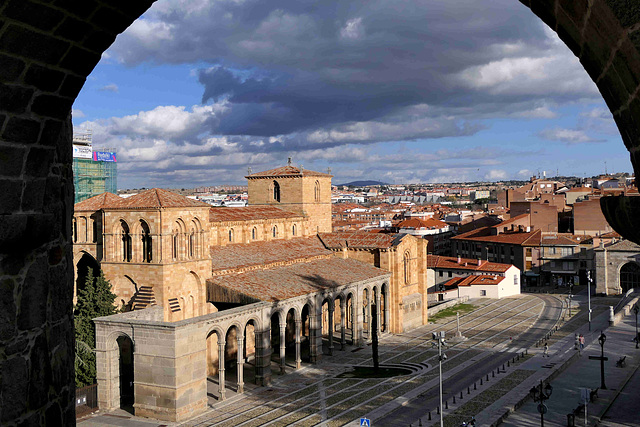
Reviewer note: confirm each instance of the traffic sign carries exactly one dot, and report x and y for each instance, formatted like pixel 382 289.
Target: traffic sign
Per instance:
pixel 542 408
pixel 365 422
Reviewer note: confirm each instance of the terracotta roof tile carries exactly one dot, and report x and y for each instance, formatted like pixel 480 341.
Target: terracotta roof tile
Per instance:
pixel 451 263
pixel 247 213
pixel 416 223
pixel 359 239
pixel 286 171
pixel 280 283
pixel 158 198
pixel 98 202
pixel 531 238
pixel 265 252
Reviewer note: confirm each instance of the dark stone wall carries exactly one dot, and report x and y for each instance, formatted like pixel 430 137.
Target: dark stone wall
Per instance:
pixel 47 49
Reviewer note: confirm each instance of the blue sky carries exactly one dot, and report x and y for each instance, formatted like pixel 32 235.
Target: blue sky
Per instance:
pixel 197 91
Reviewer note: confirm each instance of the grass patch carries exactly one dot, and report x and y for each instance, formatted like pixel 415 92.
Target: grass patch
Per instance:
pixel 451 311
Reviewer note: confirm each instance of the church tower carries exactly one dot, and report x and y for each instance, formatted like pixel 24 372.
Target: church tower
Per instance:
pixel 296 190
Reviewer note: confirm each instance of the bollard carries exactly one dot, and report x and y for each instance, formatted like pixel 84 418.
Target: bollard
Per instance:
pixel 454 399
pixel 503 366
pixel 468 390
pixel 474 385
pixel 493 374
pixel 437 410
pixel 480 381
pixel 446 404
pixel 461 395
pixel 419 422
pixel 508 363
pixel 429 416
pixel 487 377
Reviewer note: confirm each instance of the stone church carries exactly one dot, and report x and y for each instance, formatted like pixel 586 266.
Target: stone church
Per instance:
pixel 242 291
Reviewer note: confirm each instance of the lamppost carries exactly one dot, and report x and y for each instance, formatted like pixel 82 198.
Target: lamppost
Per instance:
pixel 635 311
pixel 589 281
pixel 540 394
pixel 602 339
pixel 439 337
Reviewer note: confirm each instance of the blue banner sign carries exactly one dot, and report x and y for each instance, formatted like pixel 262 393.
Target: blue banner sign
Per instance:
pixel 104 156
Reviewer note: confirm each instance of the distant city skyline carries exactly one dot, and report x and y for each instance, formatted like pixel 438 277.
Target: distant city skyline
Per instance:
pixel 195 92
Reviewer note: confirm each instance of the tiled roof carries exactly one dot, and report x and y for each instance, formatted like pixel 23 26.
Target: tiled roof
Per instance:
pixel 287 171
pixel 359 239
pixel 531 238
pixel 280 283
pixel 159 198
pixel 265 252
pixel 98 202
pixel 481 279
pixel 247 213
pixel 557 240
pixel 417 223
pixel 451 263
pixel 624 246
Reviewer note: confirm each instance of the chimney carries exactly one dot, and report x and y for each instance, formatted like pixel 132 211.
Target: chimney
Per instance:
pixel 479 262
pixel 528 229
pixel 459 260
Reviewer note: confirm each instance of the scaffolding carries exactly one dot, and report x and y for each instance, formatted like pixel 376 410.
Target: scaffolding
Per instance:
pixel 92 177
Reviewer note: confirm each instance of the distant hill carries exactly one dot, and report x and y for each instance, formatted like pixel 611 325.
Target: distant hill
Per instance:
pixel 362 183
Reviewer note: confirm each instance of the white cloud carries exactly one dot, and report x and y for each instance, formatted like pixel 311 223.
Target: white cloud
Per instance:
pixel 77 114
pixel 353 29
pixel 568 136
pixel 524 173
pixel 536 113
pixel 112 87
pixel 495 174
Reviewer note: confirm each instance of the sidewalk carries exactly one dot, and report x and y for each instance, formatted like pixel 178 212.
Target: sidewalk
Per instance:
pixel 568 371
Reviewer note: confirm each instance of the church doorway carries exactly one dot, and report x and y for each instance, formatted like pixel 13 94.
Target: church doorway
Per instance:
pixel 630 276
pixel 125 349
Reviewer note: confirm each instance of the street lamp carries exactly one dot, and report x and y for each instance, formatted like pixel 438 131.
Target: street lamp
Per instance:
pixel 439 337
pixel 602 339
pixel 635 311
pixel 540 394
pixel 589 282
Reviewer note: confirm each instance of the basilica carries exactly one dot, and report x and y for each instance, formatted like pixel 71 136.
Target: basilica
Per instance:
pixel 249 292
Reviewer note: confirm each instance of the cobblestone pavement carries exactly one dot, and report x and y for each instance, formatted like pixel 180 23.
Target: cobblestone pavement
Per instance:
pixel 314 395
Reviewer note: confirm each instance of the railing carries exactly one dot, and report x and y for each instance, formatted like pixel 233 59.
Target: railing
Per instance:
pixel 86 400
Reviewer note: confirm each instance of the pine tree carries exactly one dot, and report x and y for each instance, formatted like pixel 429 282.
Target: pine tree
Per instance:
pixel 95 300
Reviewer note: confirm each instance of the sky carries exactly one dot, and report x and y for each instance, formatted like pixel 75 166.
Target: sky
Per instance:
pixel 195 92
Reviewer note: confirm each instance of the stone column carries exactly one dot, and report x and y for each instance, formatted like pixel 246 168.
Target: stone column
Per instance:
pixel 263 357
pixel 315 334
pixel 343 321
pixel 356 322
pixel 386 312
pixel 298 337
pixel 331 312
pixel 369 323
pixel 283 348
pixel 377 314
pixel 240 364
pixel 221 344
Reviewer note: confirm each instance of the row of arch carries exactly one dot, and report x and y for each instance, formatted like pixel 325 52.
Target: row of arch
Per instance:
pixel 275 233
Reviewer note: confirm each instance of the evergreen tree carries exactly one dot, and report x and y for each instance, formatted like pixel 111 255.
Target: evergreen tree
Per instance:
pixel 95 300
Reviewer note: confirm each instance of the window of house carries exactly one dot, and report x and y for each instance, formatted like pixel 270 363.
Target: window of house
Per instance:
pixel 231 235
pixel 449 274
pixel 253 233
pixel 293 230
pixel 276 191
pixel 440 273
pixel 529 252
pixel 275 231
pixel 483 293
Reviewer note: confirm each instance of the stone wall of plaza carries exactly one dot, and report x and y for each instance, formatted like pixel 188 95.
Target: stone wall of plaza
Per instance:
pixel 308 195
pixel 171 358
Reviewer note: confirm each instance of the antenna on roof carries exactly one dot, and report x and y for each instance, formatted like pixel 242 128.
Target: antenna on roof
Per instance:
pixel 289 161
pixel 329 171
pixel 249 171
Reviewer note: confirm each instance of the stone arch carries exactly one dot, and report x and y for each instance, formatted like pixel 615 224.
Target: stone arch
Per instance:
pixel 118 356
pixel 58 50
pixel 276 190
pixel 316 191
pixel 146 241
pixel 86 262
pixel 126 247
pixel 231 235
pixel 629 276
pixel 254 233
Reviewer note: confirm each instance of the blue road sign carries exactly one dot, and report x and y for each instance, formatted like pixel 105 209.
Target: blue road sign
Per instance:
pixel 365 422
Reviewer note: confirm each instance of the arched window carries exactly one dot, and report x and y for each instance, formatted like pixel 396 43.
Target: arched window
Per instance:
pixel 147 243
pixel 293 230
pixel 254 233
pixel 126 241
pixel 316 192
pixel 231 235
pixel 275 231
pixel 276 191
pixel 407 272
pixel 174 244
pixel 192 243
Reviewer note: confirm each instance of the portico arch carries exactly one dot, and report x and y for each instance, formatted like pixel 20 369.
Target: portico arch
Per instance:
pixel 45 63
pixel 630 276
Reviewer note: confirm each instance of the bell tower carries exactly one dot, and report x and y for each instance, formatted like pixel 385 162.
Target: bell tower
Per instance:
pixel 297 190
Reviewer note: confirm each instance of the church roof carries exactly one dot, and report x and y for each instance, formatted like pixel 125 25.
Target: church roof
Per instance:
pixel 159 198
pixel 623 246
pixel 247 213
pixel 287 171
pixel 98 202
pixel 283 282
pixel 262 253
pixel 360 239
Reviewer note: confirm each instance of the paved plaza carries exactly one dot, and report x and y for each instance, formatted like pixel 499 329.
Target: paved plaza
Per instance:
pixel 488 373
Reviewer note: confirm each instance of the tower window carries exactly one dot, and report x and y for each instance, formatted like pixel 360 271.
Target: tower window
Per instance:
pixel 276 191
